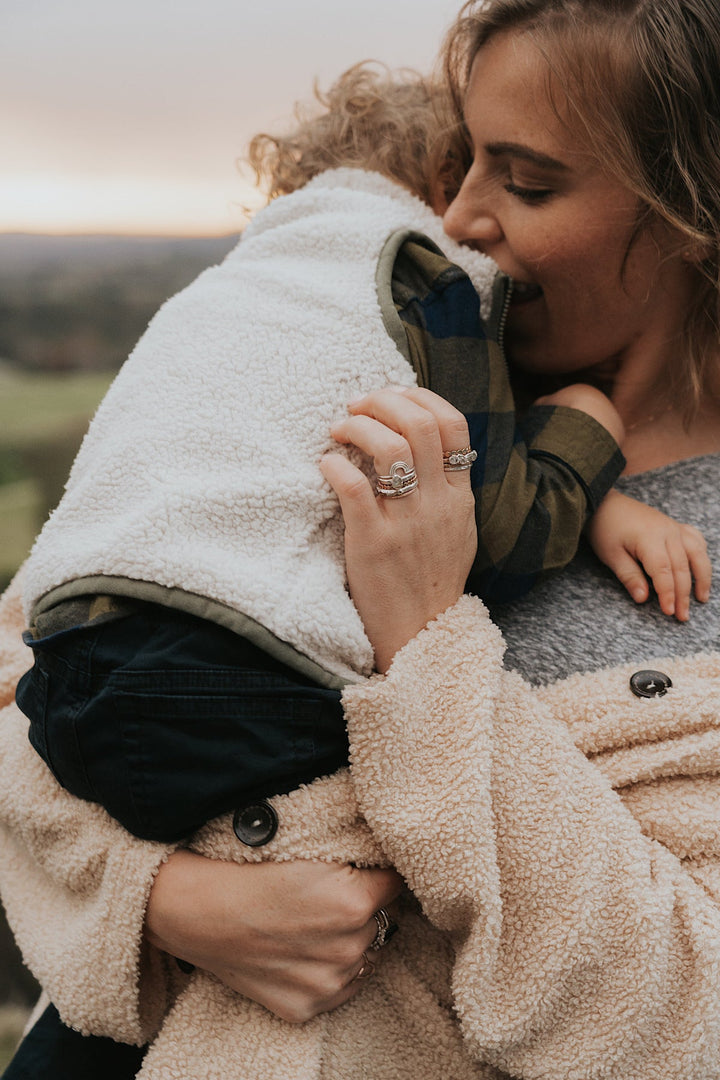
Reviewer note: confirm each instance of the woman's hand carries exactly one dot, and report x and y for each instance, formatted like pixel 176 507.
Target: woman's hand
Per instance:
pixel 407 558
pixel 631 537
pixel 291 936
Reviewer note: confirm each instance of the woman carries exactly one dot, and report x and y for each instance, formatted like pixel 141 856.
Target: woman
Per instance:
pixel 642 262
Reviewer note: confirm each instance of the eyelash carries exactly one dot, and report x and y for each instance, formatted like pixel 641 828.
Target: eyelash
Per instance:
pixel 528 195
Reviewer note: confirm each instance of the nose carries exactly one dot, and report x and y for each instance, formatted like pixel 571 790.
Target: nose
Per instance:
pixel 471 218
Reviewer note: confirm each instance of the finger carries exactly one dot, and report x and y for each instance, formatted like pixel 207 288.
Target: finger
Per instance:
pixel 415 423
pixel 380 442
pixel 700 564
pixel 452 426
pixel 392 458
pixel 658 565
pixel 355 494
pixel 629 573
pixel 682 577
pixel 382 885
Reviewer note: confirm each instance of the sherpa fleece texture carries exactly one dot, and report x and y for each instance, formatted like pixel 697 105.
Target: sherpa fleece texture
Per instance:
pixel 564 844
pixel 200 470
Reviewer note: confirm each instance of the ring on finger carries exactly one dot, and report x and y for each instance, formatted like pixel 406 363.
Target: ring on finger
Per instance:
pixel 386 927
pixel 459 460
pixel 401 481
pixel 366 968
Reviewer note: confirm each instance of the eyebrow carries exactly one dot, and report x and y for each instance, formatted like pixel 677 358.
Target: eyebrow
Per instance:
pixel 497 149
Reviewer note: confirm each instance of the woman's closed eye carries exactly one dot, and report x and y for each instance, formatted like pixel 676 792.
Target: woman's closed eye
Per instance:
pixel 528 194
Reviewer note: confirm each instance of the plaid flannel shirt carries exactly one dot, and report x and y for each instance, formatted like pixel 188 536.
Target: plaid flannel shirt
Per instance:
pixel 536 480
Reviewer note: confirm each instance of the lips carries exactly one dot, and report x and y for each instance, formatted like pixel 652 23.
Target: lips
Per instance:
pixel 523 292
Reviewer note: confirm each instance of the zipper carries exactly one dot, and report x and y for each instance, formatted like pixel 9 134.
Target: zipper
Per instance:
pixel 504 312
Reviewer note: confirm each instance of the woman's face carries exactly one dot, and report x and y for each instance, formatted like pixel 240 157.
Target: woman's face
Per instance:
pixel 586 293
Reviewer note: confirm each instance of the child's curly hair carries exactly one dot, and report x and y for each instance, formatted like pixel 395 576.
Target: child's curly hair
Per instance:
pixel 397 123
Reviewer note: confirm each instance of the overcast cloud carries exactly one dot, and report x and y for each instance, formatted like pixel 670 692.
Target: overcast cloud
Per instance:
pixel 153 100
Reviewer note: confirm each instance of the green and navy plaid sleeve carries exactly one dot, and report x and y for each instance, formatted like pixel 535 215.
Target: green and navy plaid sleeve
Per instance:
pixel 536 481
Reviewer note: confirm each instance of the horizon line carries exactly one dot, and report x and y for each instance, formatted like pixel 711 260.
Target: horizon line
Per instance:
pixel 109 234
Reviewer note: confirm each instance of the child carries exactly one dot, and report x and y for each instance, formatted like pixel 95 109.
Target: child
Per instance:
pixel 187 601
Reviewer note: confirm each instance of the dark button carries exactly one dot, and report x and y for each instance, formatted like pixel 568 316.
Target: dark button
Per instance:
pixel 255 824
pixel 650 683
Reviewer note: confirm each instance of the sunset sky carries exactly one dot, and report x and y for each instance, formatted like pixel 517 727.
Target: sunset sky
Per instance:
pixel 129 117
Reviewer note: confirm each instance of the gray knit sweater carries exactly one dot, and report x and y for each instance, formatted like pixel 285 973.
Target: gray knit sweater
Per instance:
pixel 582 619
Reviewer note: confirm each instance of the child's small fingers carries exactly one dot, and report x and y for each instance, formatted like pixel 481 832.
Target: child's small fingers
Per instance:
pixel 682 570
pixel 700 564
pixel 630 574
pixel 674 600
pixel 659 568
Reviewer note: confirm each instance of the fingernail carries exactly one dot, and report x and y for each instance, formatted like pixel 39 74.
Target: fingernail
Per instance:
pixel 638 595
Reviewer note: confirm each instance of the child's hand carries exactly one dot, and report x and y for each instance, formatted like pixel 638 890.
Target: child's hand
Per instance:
pixel 630 538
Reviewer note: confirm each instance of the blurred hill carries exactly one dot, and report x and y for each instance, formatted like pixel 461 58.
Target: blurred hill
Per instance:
pixel 79 303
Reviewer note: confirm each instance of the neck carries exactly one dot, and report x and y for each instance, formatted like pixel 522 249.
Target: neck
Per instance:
pixel 659 427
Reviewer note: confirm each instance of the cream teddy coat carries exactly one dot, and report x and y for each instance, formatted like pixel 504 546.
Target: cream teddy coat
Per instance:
pixel 562 843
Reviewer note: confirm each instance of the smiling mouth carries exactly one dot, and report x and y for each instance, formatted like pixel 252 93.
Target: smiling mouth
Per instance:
pixel 523 292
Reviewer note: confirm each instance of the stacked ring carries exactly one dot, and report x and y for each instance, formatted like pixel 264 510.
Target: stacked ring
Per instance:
pixel 386 927
pixel 401 481
pixel 459 460
pixel 366 969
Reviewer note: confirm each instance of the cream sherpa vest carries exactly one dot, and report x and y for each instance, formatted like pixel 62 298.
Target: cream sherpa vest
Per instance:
pixel 199 472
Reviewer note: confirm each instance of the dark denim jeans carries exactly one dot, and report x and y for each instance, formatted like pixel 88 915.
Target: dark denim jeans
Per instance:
pixel 168 720
pixel 51 1051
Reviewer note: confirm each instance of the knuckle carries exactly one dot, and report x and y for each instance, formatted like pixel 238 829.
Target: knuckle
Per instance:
pixel 694 538
pixel 297 1014
pixel 336 982
pixel 346 955
pixel 354 486
pixel 426 425
pixel 458 431
pixel 356 911
pixel 398 448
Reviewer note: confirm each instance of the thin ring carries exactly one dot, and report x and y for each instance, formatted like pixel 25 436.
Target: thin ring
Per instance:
pixel 459 460
pixel 366 968
pixel 386 927
pixel 401 481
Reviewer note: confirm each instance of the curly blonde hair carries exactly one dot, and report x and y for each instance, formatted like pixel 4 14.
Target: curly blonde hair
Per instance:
pixel 397 123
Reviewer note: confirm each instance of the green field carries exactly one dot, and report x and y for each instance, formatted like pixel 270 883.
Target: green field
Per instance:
pixel 42 420
pixel 33 407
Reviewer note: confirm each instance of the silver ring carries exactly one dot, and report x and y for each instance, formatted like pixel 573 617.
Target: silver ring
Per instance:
pixel 459 460
pixel 366 969
pixel 401 481
pixel 386 927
